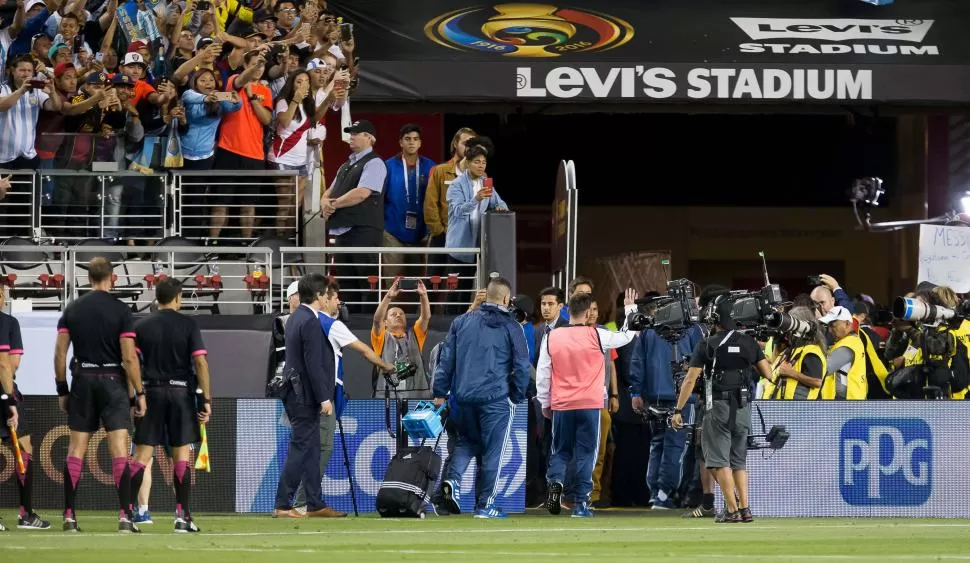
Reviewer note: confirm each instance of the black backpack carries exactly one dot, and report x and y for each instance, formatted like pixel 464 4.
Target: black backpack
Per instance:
pixel 407 484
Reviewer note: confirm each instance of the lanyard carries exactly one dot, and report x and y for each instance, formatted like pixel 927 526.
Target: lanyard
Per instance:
pixel 407 190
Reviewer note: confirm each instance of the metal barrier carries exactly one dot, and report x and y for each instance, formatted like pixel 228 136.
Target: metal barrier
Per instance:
pixel 208 283
pixel 35 272
pixel 122 205
pixel 365 273
pixel 273 195
pixel 17 206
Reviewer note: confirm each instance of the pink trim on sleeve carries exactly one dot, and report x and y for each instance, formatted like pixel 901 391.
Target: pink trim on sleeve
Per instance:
pixel 16 352
pixel 63 331
pixel 128 335
pixel 4 347
pixel 200 353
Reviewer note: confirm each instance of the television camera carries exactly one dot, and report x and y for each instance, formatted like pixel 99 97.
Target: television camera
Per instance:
pixel 669 315
pixel 773 439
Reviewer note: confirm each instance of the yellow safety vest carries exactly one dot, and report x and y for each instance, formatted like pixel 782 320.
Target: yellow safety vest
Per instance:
pixel 963 335
pixel 856 384
pixel 784 388
pixel 872 358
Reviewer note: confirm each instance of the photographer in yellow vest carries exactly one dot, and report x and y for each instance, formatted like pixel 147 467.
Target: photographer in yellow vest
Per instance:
pixel 846 363
pixel 798 366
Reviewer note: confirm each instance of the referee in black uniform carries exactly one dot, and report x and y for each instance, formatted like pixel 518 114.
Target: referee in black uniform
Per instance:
pixel 174 361
pixel 102 331
pixel 11 349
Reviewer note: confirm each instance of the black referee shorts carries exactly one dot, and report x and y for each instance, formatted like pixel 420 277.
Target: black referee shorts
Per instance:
pixel 170 419
pixel 98 400
pixel 22 418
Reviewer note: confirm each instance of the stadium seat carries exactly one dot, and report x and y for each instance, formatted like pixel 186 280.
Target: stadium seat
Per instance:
pixel 42 276
pixel 195 267
pixel 276 278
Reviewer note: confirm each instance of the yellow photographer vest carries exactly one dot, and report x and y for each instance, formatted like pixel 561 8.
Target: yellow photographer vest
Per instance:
pixel 856 383
pixel 788 389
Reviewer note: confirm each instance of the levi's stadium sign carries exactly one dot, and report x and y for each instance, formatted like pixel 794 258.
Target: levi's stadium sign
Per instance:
pixel 835 36
pixel 641 82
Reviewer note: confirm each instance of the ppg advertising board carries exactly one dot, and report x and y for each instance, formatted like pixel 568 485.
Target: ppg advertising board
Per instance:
pixel 263 436
pixel 864 458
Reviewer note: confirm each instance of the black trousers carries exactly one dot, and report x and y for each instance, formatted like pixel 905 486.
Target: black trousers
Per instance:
pixel 303 456
pixel 353 279
pixel 630 464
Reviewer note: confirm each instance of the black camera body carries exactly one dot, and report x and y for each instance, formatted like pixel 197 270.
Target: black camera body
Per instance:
pixel 671 314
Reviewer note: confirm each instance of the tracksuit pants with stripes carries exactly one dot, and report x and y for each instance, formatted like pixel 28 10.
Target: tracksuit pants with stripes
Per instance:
pixel 575 437
pixel 484 431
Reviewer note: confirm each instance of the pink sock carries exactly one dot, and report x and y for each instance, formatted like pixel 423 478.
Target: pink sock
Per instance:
pixel 23 477
pixel 181 467
pixel 118 466
pixel 135 467
pixel 74 469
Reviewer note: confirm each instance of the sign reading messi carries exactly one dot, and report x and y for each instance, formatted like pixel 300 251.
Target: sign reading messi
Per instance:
pixel 529 30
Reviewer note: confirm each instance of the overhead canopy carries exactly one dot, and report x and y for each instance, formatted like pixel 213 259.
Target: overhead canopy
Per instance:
pixel 711 51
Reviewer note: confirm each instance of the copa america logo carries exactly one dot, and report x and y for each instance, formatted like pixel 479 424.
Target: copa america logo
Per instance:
pixel 528 30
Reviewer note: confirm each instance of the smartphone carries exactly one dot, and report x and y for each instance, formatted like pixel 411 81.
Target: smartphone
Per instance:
pixel 487 183
pixel 99 57
pixel 224 96
pixel 407 284
pixel 203 5
pixel 814 281
pixel 346 32
pixel 38 84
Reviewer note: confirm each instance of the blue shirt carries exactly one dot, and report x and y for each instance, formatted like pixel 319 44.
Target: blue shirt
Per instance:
pixel 651 375
pixel 199 141
pixel 404 192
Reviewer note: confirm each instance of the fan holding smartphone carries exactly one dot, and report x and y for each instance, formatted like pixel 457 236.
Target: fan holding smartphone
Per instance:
pixel 470 196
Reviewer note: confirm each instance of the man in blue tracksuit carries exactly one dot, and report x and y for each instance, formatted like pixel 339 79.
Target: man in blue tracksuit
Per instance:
pixel 652 383
pixel 484 365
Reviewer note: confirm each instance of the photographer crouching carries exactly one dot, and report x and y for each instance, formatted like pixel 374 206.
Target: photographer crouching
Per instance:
pixel 726 359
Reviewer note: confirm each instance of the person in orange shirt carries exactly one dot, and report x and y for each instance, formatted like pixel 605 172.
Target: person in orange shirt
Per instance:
pixel 571 388
pixel 240 145
pixel 392 340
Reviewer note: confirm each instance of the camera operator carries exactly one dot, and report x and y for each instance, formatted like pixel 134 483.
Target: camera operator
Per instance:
pixel 726 357
pixel 799 364
pixel 394 341
pixel 653 378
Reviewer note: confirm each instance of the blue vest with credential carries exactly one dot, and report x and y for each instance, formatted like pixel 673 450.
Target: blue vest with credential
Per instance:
pixel 339 400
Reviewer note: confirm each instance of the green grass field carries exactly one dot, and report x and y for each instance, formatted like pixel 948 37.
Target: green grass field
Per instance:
pixel 610 536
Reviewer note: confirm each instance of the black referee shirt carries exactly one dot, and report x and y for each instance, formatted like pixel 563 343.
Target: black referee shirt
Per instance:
pixel 96 322
pixel 10 339
pixel 168 341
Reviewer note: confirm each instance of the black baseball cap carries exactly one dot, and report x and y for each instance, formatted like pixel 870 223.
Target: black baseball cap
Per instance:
pixel 362 126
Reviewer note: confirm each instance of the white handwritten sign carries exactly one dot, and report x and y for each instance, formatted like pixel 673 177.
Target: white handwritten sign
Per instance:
pixel 944 256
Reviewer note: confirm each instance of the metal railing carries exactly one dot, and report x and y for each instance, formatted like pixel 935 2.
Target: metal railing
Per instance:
pixel 122 205
pixel 71 205
pixel 369 272
pixel 273 195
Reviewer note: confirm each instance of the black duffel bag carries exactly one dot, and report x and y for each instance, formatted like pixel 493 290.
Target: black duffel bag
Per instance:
pixel 408 481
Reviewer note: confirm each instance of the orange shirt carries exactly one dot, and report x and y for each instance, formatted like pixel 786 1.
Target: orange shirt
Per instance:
pixel 377 338
pixel 241 132
pixel 142 91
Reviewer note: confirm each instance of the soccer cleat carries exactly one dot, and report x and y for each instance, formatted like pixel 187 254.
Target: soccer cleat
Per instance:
pixel 33 522
pixel 746 515
pixel 126 526
pixel 143 518
pixel 491 512
pixel 700 512
pixel 581 510
pixel 186 526
pixel 554 498
pixel 70 525
pixel 2 527
pixel 452 497
pixel 728 518
pixel 300 509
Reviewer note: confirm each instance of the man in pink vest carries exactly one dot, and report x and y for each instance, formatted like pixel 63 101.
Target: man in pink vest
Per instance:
pixel 571 385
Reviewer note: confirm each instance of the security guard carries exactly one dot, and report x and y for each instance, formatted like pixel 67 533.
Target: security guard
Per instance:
pixel 799 365
pixel 175 365
pixel 310 376
pixel 846 362
pixel 101 330
pixel 727 358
